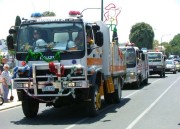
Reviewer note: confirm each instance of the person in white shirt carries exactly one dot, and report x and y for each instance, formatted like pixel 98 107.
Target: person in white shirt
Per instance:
pixel 6 82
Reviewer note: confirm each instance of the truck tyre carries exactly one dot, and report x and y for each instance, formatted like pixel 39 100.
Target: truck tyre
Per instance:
pixel 161 74
pixel 30 107
pixel 164 75
pixel 146 80
pixel 1 100
pixel 174 72
pixel 94 105
pixel 116 96
pixel 138 83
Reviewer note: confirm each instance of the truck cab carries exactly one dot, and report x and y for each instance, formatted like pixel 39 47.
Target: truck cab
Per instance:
pixel 156 63
pixel 60 70
pixel 137 71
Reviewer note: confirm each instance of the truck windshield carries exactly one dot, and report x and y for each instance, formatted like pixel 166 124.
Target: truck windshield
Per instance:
pixel 154 57
pixel 44 37
pixel 130 58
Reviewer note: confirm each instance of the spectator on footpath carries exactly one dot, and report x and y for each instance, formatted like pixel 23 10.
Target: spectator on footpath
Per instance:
pixel 6 82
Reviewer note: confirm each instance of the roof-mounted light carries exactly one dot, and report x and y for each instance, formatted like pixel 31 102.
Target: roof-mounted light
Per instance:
pixel 36 15
pixel 130 44
pixel 74 13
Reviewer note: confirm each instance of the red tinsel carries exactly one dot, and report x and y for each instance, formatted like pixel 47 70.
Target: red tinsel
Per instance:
pixel 54 70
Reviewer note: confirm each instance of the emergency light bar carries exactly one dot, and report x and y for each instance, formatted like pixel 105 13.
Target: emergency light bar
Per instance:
pixel 130 44
pixel 74 13
pixel 36 15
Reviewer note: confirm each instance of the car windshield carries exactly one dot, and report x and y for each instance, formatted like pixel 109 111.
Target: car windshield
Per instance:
pixel 49 37
pixel 154 57
pixel 130 57
pixel 169 62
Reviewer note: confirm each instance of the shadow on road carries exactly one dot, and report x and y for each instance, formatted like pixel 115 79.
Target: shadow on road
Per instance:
pixel 69 115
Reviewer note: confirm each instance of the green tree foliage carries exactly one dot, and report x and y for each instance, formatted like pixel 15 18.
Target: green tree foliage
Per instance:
pixel 142 35
pixel 175 45
pixel 48 13
pixel 155 44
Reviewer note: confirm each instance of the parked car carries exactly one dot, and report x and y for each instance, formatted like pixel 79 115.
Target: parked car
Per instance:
pixel 170 66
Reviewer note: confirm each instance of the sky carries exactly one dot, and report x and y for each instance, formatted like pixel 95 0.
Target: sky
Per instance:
pixel 162 15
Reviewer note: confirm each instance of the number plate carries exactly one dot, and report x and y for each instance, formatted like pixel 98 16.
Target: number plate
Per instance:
pixel 150 69
pixel 48 88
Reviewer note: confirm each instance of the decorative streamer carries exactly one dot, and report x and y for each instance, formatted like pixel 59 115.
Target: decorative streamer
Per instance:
pixel 54 70
pixel 15 71
pixel 39 54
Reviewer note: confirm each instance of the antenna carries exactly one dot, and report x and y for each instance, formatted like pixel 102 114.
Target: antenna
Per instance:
pixel 32 5
pixel 49 5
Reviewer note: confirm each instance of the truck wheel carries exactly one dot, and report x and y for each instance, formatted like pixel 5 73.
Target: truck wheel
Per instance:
pixel 138 83
pixel 30 107
pixel 146 81
pixel 1 100
pixel 164 75
pixel 116 96
pixel 94 105
pixel 161 74
pixel 174 72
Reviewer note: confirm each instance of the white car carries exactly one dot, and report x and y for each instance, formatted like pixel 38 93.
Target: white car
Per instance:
pixel 170 66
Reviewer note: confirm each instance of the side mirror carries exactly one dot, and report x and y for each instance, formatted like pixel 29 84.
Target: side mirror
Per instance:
pixel 99 39
pixel 95 28
pixel 12 31
pixel 10 42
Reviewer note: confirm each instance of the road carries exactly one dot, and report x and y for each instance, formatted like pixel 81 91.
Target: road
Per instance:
pixel 154 106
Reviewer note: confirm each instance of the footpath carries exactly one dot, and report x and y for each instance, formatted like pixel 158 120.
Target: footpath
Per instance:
pixel 13 103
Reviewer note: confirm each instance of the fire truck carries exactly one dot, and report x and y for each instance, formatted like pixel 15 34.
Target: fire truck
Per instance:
pixel 49 71
pixel 137 71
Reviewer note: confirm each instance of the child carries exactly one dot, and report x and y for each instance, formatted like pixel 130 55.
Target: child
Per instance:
pixel 6 82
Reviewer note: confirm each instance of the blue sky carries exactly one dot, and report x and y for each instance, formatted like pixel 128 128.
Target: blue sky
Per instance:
pixel 162 15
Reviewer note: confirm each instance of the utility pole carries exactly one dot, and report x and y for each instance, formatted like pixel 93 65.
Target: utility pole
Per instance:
pixel 102 10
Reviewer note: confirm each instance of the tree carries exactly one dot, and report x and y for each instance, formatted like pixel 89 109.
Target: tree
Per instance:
pixel 155 44
pixel 175 45
pixel 48 13
pixel 142 35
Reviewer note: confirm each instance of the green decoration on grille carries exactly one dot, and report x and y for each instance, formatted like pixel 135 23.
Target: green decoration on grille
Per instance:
pixel 37 55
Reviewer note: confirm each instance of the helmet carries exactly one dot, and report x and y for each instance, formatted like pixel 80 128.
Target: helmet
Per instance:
pixel 71 44
pixel 40 42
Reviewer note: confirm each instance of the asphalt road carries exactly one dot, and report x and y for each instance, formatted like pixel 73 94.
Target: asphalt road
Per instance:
pixel 154 106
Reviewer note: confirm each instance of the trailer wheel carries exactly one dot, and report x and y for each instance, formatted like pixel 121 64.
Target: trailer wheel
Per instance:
pixel 116 96
pixel 94 105
pixel 30 107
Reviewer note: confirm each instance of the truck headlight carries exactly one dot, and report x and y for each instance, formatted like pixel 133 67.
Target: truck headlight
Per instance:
pixel 76 84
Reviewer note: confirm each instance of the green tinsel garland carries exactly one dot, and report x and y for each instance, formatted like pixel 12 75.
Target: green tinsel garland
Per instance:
pixel 39 54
